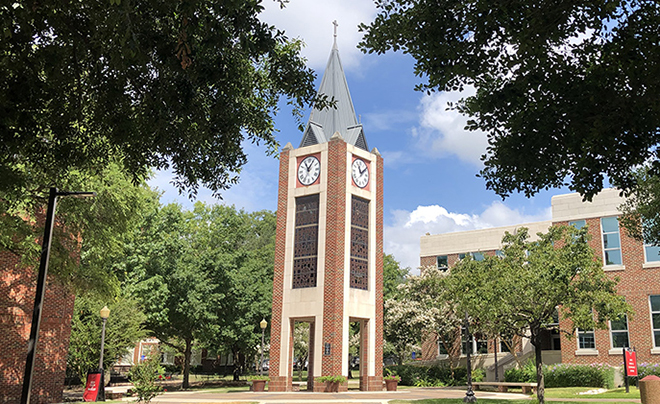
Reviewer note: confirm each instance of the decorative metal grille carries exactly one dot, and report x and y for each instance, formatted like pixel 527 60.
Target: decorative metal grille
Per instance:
pixel 305 245
pixel 304 273
pixel 306 240
pixel 307 210
pixel 359 274
pixel 359 243
pixel 360 213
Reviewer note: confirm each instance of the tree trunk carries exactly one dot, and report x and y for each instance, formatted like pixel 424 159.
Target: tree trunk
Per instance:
pixel 187 354
pixel 350 375
pixel 539 369
pixel 238 365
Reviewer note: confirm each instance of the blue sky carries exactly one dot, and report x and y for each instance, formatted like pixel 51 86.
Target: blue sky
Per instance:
pixel 431 162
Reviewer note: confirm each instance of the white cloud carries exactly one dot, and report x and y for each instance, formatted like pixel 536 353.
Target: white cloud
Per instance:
pixel 401 237
pixel 302 19
pixel 442 133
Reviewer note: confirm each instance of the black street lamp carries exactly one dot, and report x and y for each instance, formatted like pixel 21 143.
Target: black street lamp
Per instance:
pixel 41 287
pixel 469 394
pixel 263 324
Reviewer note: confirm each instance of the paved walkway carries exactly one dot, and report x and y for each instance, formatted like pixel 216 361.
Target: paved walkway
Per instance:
pixel 350 397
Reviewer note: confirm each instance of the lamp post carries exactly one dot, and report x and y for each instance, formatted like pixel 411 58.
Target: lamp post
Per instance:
pixel 469 394
pixel 41 287
pixel 104 313
pixel 263 325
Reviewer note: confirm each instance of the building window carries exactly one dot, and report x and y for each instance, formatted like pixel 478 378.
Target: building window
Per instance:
pixel 586 339
pixel 651 253
pixel 619 333
pixel 499 253
pixel 305 245
pixel 655 319
pixel 442 263
pixel 478 344
pixel 611 240
pixel 481 342
pixel 359 243
pixel 477 256
pixel 442 347
pixel 578 224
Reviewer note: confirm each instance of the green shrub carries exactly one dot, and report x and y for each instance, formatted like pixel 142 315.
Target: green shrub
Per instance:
pixel 143 376
pixel 436 376
pixel 566 375
pixel 646 369
pixel 525 374
pixel 331 379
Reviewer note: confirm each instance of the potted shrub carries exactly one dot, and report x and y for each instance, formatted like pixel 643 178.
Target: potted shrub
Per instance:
pixel 259 383
pixel 391 382
pixel 331 382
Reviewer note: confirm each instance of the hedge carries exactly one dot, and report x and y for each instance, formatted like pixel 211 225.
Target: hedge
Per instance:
pixel 565 375
pixel 436 375
pixel 646 369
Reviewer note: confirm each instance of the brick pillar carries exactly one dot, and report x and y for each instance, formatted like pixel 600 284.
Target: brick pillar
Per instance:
pixel 17 290
pixel 333 293
pixel 277 382
pixel 376 382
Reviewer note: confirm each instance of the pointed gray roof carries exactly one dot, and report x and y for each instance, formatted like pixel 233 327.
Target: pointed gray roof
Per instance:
pixel 324 123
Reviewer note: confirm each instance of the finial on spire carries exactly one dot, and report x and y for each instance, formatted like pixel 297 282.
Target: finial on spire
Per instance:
pixel 336 25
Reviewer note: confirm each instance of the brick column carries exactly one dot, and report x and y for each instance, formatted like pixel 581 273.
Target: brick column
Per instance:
pixel 17 290
pixel 335 237
pixel 279 382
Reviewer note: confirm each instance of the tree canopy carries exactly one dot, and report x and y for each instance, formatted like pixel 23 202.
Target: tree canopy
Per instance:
pixel 150 84
pixel 203 278
pixel 519 293
pixel 565 91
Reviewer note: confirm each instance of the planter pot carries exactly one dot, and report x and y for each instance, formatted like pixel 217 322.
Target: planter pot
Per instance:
pixel 258 385
pixel 390 385
pixel 332 387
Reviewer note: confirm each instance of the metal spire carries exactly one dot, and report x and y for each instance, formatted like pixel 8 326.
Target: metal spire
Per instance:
pixel 323 123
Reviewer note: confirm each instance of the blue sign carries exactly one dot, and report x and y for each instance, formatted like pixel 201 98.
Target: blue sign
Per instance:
pixel 413 355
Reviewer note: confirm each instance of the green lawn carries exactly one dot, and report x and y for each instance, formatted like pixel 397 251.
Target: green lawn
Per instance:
pixel 487 401
pixel 572 392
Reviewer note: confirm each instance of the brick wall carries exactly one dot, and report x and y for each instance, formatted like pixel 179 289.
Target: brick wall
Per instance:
pixel 333 292
pixel 636 283
pixel 17 290
pixel 278 383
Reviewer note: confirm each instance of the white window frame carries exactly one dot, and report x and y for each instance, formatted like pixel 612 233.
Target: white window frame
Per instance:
pixel 617 350
pixel 606 266
pixel 648 263
pixel 656 347
pixel 578 224
pixel 585 351
pixel 437 264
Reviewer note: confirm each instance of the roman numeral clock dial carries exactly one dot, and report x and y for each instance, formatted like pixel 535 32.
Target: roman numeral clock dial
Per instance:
pixel 309 170
pixel 360 173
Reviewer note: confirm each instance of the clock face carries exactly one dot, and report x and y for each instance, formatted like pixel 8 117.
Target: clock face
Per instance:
pixel 309 170
pixel 360 173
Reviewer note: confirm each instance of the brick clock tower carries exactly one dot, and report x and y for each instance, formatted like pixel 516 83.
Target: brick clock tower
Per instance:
pixel 329 246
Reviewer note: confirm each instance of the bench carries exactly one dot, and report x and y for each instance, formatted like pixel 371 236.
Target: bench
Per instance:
pixel 503 386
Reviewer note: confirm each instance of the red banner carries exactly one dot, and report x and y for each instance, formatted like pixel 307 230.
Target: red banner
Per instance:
pixel 92 386
pixel 630 357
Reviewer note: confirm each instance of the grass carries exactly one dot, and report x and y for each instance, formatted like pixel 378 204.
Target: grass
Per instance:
pixel 486 401
pixel 572 392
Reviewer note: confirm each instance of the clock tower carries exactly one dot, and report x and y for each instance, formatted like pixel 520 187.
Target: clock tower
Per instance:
pixel 329 246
